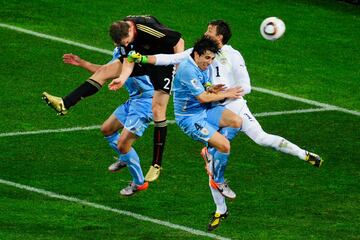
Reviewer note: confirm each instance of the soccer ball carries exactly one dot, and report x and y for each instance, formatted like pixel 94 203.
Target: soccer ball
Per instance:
pixel 272 28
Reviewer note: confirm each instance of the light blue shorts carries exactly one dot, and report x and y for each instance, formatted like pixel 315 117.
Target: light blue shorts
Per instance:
pixel 201 127
pixel 135 115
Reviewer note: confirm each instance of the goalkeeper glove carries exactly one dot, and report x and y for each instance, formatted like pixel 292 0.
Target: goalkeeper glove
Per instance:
pixel 137 57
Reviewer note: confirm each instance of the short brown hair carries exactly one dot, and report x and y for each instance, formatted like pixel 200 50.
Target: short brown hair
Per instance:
pixel 118 31
pixel 222 28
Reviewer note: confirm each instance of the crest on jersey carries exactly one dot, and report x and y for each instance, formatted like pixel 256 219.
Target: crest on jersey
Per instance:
pixel 196 83
pixel 223 61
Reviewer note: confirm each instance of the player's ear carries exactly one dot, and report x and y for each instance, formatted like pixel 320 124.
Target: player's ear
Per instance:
pixel 196 55
pixel 220 37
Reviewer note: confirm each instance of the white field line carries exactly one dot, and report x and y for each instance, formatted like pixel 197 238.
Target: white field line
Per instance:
pixel 309 110
pixel 114 210
pixel 304 100
pixel 73 129
pixel 263 90
pixel 57 39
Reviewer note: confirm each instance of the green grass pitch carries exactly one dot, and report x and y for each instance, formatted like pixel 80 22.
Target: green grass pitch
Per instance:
pixel 55 185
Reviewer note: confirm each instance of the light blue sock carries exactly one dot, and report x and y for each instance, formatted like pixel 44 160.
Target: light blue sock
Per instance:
pixel 211 150
pixel 220 162
pixel 133 163
pixel 113 140
pixel 229 132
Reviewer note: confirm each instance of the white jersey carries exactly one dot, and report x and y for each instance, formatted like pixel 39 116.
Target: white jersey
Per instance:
pixel 229 68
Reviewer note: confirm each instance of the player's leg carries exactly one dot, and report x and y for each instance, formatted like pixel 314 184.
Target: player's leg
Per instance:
pixel 221 156
pixel 253 129
pixel 218 186
pixel 221 211
pixel 199 129
pixel 110 129
pixel 161 77
pixel 230 119
pixel 131 158
pixel 137 120
pixel 86 89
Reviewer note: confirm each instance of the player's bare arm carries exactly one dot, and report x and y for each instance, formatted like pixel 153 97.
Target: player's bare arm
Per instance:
pixel 127 69
pixel 75 60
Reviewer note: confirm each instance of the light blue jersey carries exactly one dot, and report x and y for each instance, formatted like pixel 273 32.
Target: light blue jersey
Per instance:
pixel 193 117
pixel 188 83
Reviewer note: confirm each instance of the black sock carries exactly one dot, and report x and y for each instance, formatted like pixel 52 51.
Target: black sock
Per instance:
pixel 88 88
pixel 160 131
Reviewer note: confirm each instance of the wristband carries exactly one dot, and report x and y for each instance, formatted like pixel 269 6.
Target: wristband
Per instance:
pixel 144 59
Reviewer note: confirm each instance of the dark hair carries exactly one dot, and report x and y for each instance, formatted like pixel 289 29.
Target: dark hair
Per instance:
pixel 222 28
pixel 118 31
pixel 205 44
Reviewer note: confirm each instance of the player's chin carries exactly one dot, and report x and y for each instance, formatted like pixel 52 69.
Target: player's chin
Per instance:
pixel 204 67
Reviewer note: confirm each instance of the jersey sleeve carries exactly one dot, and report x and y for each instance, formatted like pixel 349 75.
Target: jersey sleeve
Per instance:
pixel 192 82
pixel 172 59
pixel 241 75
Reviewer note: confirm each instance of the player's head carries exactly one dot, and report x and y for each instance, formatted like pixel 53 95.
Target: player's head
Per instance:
pixel 219 30
pixel 122 33
pixel 204 52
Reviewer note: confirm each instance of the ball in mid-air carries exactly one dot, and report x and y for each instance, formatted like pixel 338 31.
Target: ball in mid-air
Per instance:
pixel 272 28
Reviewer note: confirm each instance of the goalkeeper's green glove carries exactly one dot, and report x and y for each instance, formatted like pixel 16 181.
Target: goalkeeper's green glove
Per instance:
pixel 136 57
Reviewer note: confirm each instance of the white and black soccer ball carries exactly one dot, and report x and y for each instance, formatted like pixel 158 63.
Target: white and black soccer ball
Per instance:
pixel 272 28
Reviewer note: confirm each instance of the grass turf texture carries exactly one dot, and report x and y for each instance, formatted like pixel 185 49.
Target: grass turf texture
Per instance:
pixel 279 197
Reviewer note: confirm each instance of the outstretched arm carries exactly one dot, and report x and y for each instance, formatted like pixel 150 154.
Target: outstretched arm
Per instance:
pixel 75 60
pixel 126 71
pixel 162 59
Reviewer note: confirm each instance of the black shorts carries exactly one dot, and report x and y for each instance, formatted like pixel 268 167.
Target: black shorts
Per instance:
pixel 161 77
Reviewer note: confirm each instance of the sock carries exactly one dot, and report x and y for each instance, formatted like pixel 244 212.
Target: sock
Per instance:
pixel 258 135
pixel 229 132
pixel 113 140
pixel 219 201
pixel 287 147
pixel 160 132
pixel 88 88
pixel 220 162
pixel 211 150
pixel 133 163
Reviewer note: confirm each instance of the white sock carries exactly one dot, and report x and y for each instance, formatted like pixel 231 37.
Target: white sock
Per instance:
pixel 219 200
pixel 258 135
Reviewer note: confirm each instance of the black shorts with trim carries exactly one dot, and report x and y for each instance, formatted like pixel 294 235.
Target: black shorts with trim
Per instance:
pixel 161 77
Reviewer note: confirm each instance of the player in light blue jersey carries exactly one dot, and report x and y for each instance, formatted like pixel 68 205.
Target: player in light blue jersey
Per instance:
pixel 197 119
pixel 133 117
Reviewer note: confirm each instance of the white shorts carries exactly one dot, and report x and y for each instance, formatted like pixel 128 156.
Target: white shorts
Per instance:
pixel 240 108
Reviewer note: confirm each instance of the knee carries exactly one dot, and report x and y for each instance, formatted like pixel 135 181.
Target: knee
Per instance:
pixel 101 75
pixel 224 147
pixel 159 111
pixel 106 129
pixel 261 139
pixel 237 122
pixel 123 146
